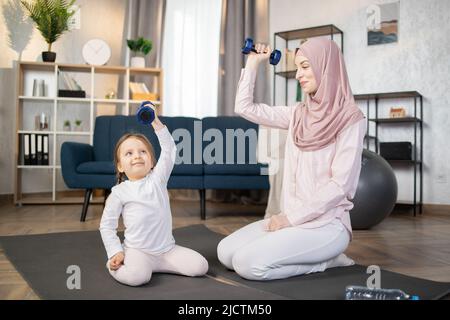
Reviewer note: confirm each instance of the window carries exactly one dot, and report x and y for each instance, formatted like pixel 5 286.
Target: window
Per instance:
pixel 190 57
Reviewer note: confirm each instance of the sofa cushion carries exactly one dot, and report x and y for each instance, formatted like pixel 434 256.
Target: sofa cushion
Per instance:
pixel 236 182
pixel 109 129
pixel 229 139
pixel 107 167
pixel 234 169
pixel 185 182
pixel 96 167
pixel 187 170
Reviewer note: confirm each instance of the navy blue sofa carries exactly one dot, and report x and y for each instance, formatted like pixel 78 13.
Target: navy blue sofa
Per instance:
pixel 222 167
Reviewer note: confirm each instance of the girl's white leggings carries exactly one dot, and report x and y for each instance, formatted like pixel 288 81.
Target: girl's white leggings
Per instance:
pixel 256 254
pixel 139 266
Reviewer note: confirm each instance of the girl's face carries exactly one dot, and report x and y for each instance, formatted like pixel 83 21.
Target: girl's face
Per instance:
pixel 134 159
pixel 305 75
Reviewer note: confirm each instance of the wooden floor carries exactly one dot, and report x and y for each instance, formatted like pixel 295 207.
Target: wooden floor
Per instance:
pixel 416 246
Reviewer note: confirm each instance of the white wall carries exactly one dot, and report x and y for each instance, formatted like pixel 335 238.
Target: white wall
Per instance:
pixel 99 19
pixel 418 61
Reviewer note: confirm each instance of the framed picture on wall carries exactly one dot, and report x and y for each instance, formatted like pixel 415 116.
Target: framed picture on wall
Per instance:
pixel 382 23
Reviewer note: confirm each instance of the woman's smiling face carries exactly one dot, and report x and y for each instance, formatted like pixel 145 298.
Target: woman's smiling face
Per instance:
pixel 305 75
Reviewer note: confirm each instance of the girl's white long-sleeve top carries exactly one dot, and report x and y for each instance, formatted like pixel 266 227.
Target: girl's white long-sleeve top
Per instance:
pixel 144 205
pixel 317 186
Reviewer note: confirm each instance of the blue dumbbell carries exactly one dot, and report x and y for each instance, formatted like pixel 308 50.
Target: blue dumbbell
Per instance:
pixel 248 47
pixel 145 113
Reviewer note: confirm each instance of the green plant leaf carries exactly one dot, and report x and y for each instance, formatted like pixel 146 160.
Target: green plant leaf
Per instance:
pixel 132 44
pixel 140 45
pixel 147 47
pixel 51 17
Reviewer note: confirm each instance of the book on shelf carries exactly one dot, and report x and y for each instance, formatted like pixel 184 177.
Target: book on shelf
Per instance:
pixel 66 82
pixel 68 87
pixel 138 87
pixel 45 158
pixel 39 150
pixel 290 61
pixel 139 91
pixel 26 149
pixel 71 93
pixel 33 149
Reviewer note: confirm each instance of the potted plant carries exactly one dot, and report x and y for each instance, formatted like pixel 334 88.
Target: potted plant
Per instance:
pixel 51 18
pixel 141 47
pixel 78 125
pixel 66 125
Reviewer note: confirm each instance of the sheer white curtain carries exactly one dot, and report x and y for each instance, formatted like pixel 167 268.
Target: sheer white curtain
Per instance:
pixel 190 58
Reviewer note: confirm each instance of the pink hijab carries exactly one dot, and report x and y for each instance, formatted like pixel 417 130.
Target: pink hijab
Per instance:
pixel 332 107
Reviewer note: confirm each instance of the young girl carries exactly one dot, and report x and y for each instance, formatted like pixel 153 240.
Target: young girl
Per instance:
pixel 143 201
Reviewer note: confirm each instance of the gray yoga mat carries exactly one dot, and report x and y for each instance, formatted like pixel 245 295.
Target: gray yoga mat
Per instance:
pixel 43 260
pixel 322 285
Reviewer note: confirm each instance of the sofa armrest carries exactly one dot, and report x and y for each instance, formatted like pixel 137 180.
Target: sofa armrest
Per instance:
pixel 72 154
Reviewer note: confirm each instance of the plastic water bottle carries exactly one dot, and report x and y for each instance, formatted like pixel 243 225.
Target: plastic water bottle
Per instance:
pixel 365 293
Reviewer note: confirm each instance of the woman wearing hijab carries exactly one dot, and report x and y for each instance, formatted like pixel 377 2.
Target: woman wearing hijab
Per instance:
pixel 322 166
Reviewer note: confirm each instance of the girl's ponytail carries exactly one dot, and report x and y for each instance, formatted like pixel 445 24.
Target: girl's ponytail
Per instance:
pixel 120 177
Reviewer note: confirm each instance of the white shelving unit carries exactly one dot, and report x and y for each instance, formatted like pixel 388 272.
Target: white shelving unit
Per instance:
pixel 96 81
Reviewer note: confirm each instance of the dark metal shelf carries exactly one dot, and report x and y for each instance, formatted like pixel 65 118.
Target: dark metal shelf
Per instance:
pixel 415 119
pixel 396 120
pixel 408 204
pixel 387 95
pixel 403 161
pixel 309 32
pixel 287 74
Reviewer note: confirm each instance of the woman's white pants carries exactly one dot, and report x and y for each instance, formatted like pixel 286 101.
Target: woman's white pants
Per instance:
pixel 256 254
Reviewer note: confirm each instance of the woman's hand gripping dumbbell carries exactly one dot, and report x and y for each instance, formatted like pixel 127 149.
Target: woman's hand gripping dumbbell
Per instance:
pixel 261 51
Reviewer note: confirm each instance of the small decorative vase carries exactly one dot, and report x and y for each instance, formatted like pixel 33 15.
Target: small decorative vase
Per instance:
pixel 48 56
pixel 138 62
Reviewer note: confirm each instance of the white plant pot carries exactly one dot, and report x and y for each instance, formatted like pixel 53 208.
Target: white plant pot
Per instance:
pixel 138 62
